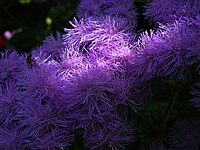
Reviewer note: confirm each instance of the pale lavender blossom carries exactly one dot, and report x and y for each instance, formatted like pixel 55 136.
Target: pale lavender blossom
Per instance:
pixel 89 90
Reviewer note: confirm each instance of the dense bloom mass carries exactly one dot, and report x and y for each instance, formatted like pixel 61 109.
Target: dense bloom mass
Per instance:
pixel 91 80
pixel 11 65
pixel 170 10
pixel 112 133
pixel 120 8
pixel 170 51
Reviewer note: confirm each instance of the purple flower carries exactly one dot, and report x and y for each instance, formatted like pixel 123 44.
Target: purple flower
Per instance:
pixel 35 114
pixel 126 96
pixel 13 138
pixel 51 48
pixel 11 65
pixel 53 139
pixel 196 28
pixel 107 36
pixel 113 133
pixel 145 64
pixel 9 96
pixel 170 10
pixel 70 66
pixel 196 95
pixel 39 56
pixel 121 8
pixel 181 51
pixel 112 38
pixel 89 91
pixel 39 82
pixel 89 8
pixel 77 38
pixel 187 137
pixel 170 51
pixel 40 109
pixel 53 45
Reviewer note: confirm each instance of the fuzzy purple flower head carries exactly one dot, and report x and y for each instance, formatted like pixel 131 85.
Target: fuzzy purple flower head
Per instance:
pixel 89 8
pixel 55 139
pixel 11 65
pixel 122 8
pixel 51 49
pixel 13 138
pixel 106 38
pixel 170 51
pixel 167 11
pixel 88 91
pixel 113 133
pixel 9 96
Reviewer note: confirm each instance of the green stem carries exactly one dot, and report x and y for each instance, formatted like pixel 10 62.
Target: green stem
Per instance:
pixel 168 112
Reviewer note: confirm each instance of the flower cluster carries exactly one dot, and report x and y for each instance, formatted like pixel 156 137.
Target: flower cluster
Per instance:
pixel 167 11
pixel 89 78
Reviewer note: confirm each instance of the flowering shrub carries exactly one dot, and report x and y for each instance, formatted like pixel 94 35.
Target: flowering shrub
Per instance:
pixel 91 81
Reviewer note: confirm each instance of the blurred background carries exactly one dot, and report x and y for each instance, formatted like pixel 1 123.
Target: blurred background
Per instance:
pixel 24 24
